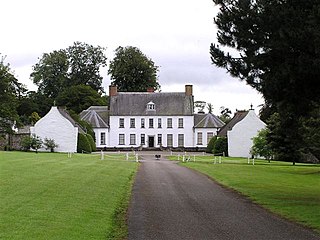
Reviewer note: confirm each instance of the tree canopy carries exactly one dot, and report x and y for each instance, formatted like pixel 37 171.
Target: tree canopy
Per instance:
pixel 133 71
pixel 277 52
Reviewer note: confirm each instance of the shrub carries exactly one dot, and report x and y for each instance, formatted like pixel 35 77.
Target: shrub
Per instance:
pixel 50 144
pixel 221 146
pixel 92 143
pixel 83 144
pixel 211 144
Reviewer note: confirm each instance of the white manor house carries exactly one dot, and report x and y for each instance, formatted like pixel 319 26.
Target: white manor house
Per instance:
pixel 151 120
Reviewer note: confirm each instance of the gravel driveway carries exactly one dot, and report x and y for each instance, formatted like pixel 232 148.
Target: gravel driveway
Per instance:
pixel 173 202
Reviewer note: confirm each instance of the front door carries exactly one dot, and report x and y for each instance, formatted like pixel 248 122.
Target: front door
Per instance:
pixel 151 141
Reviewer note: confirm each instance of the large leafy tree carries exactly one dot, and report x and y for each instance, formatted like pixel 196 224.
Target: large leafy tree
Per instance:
pixel 10 91
pixel 133 71
pixel 277 52
pixel 78 64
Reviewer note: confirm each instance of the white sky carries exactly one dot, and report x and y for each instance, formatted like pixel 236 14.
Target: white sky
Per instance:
pixel 175 34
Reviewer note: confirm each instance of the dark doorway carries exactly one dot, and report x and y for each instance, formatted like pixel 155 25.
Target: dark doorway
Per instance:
pixel 151 141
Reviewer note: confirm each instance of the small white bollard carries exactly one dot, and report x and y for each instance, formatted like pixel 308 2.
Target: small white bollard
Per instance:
pixel 215 160
pixel 171 153
pixel 248 160
pixel 69 154
pixel 252 161
pixel 202 153
pixel 137 158
pixel 219 159
pixel 183 158
pixel 127 156
pixel 102 155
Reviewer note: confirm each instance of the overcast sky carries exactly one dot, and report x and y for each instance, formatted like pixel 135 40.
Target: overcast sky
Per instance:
pixel 175 34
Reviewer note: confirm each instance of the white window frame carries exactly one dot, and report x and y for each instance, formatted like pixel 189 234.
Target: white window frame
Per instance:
pixel 169 122
pixel 199 138
pixel 102 138
pixel 169 140
pixel 132 139
pixel 180 140
pixel 180 123
pixel 122 139
pixel 121 122
pixel 132 123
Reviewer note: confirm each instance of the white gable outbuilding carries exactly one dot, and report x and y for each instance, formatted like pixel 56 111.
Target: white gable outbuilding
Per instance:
pixel 60 127
pixel 240 136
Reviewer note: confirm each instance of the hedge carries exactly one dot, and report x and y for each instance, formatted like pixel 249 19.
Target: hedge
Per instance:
pixel 83 144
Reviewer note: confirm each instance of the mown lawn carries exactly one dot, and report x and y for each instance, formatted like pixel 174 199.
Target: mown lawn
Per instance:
pixel 51 196
pixel 291 191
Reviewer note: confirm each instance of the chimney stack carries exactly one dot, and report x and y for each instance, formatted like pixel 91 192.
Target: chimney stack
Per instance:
pixel 150 89
pixel 113 90
pixel 188 90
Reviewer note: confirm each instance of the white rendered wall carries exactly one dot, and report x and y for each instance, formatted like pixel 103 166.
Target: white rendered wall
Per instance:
pixel 55 126
pixel 240 137
pixel 187 130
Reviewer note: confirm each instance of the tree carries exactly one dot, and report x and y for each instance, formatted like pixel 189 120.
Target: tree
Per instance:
pixel 10 92
pixel 133 71
pixel 277 52
pixel 209 107
pixel 260 145
pixel 200 105
pixel 76 65
pixel 225 114
pixel 50 144
pixel 80 97
pixel 32 141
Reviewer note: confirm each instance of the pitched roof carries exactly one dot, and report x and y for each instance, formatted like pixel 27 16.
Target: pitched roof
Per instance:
pixel 207 121
pixel 97 116
pixel 166 104
pixel 67 116
pixel 238 116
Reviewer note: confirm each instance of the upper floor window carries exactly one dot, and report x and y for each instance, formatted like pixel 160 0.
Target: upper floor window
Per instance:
pixel 132 123
pixel 121 122
pixel 180 123
pixel 142 123
pixel 150 122
pixel 151 106
pixel 159 123
pixel 169 123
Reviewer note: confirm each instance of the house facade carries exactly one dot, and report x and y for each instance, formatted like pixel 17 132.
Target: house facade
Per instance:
pixel 153 120
pixel 59 126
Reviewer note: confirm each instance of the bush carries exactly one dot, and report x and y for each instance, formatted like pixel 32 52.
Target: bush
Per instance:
pixel 221 146
pixel 83 144
pixel 92 143
pixel 211 144
pixel 50 144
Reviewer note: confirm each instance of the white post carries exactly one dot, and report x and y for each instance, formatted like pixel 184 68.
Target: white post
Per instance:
pixel 202 153
pixel 215 160
pixel 248 160
pixel 137 158
pixel 171 153
pixel 183 158
pixel 219 159
pixel 127 156
pixel 102 155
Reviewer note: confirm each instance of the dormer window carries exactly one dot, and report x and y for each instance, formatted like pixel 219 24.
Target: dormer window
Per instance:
pixel 151 106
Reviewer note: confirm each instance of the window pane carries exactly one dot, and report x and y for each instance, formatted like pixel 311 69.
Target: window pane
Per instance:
pixel 169 123
pixel 180 140
pixel 121 139
pixel 132 123
pixel 103 138
pixel 143 139
pixel 209 136
pixel 180 123
pixel 151 123
pixel 121 122
pixel 169 140
pixel 159 123
pixel 199 138
pixel 142 122
pixel 132 139
pixel 159 139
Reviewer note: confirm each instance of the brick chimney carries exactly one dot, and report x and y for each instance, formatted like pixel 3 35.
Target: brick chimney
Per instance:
pixel 150 89
pixel 113 90
pixel 188 90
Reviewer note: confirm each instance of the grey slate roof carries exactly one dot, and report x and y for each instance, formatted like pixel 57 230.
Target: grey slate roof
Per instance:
pixel 166 104
pixel 66 115
pixel 97 116
pixel 238 116
pixel 207 121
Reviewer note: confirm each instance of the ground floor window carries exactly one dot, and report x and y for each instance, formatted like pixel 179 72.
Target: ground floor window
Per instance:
pixel 169 140
pixel 159 139
pixel 103 138
pixel 209 136
pixel 132 139
pixel 180 140
pixel 121 139
pixel 199 138
pixel 143 139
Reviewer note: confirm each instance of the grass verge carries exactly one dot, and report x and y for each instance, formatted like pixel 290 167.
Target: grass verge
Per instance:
pixel 290 191
pixel 50 196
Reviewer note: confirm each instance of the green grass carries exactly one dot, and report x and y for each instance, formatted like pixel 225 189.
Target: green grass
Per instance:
pixel 290 191
pixel 50 196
